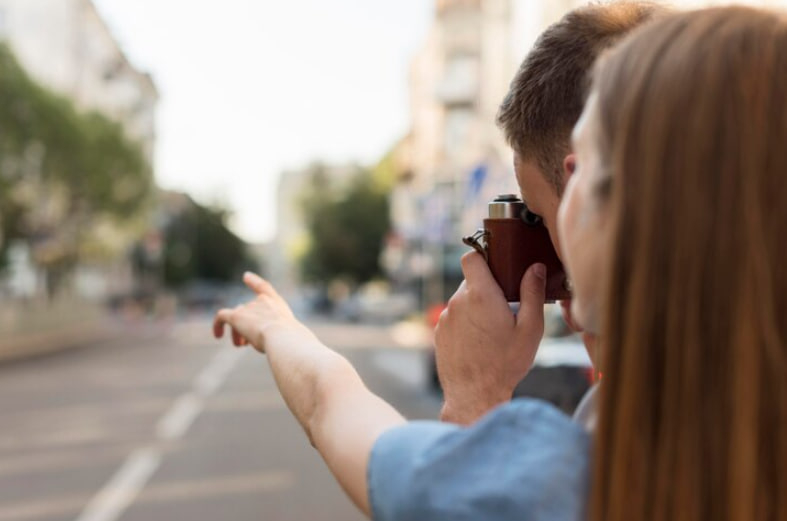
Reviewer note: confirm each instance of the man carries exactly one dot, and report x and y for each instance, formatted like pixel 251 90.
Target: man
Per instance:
pixel 524 460
pixel 482 350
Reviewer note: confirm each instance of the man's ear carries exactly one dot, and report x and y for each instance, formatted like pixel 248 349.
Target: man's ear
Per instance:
pixel 569 165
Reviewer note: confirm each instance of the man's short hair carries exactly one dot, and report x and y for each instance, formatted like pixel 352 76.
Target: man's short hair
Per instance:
pixel 548 92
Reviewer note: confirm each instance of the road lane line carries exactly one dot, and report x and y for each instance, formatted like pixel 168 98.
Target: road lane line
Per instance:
pixel 48 507
pixel 174 424
pixel 409 367
pixel 213 376
pixel 118 494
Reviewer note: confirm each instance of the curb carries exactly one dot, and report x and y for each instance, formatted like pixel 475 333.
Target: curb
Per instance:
pixel 46 342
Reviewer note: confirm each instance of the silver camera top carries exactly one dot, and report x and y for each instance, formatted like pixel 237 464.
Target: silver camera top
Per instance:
pixel 506 206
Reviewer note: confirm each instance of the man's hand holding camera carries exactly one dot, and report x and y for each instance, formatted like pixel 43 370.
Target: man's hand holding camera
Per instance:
pixel 482 349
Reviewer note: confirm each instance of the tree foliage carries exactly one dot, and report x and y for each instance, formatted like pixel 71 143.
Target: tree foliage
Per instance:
pixel 347 227
pixel 61 168
pixel 198 245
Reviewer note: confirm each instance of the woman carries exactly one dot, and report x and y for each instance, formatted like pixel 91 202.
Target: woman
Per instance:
pixel 682 170
pixel 683 158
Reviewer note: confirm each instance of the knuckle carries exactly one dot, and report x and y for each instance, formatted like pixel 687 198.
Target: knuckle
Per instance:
pixel 442 320
pixel 458 298
pixel 467 261
pixel 476 298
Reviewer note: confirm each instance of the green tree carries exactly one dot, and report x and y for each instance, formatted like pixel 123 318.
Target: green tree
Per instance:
pixel 60 170
pixel 198 245
pixel 347 227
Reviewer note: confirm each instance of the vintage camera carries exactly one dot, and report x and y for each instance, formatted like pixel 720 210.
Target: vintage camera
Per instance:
pixel 513 239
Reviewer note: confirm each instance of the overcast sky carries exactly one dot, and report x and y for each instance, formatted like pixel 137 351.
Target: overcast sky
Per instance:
pixel 252 87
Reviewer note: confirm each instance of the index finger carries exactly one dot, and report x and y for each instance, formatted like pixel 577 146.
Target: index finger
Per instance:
pixel 257 284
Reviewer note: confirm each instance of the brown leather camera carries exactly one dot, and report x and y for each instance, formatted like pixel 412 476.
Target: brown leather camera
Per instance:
pixel 515 238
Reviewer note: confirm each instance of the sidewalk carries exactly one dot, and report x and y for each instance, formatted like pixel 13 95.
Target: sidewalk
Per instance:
pixel 29 329
pixel 22 345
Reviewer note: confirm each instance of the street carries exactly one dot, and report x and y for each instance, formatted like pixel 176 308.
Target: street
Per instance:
pixel 170 424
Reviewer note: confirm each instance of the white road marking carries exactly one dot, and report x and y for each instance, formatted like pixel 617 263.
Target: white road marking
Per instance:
pixel 219 486
pixel 269 482
pixel 408 367
pixel 411 335
pixel 210 379
pixel 121 491
pixel 123 488
pixel 174 424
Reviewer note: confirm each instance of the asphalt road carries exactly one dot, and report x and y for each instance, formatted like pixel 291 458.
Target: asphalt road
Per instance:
pixel 169 424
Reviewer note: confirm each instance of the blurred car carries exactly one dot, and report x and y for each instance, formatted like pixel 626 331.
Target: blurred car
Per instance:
pixel 375 303
pixel 562 371
pixel 203 296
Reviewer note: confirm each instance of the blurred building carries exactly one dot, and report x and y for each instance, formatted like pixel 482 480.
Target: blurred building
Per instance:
pixel 454 159
pixel 292 237
pixel 66 46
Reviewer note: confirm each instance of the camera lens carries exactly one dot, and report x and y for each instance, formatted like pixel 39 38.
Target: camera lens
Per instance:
pixel 530 218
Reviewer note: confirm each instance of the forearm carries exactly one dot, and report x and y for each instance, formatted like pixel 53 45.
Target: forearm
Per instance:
pixel 345 428
pixel 341 417
pixel 325 394
pixel 299 363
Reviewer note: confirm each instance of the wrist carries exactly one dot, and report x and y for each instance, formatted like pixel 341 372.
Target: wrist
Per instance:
pixel 283 333
pixel 466 412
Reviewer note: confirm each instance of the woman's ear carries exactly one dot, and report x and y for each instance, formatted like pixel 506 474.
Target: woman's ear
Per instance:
pixel 569 165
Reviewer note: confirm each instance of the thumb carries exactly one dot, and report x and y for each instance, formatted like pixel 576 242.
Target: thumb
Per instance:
pixel 532 292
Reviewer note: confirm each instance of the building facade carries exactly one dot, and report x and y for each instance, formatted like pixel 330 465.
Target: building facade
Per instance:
pixel 67 46
pixel 454 159
pixel 292 238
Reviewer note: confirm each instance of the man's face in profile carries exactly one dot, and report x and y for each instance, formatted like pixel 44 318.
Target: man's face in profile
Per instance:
pixel 540 197
pixel 538 194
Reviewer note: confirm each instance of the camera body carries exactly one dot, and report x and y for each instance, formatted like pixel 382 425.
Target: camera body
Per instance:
pixel 515 238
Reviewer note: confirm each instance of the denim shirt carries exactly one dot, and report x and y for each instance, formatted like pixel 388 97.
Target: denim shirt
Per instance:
pixel 523 461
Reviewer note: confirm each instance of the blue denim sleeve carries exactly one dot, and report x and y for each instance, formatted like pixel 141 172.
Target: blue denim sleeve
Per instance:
pixel 523 461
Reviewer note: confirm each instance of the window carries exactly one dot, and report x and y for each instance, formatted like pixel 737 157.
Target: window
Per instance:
pixel 458 125
pixel 460 80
